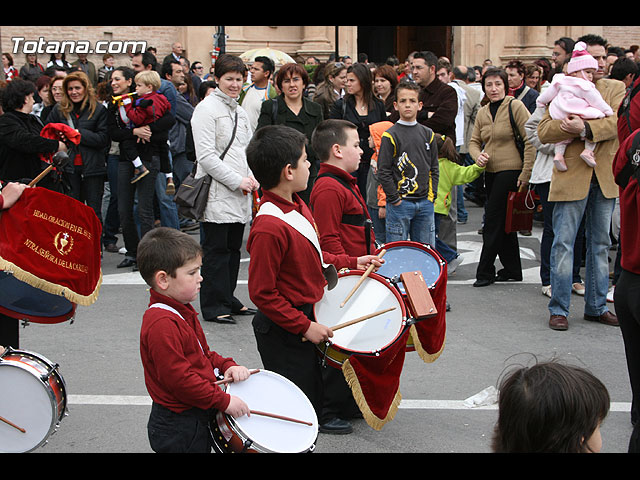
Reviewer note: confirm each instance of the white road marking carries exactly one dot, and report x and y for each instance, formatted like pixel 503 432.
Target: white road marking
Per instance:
pixel 407 404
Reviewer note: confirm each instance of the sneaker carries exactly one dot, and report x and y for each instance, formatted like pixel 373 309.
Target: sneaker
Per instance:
pixel 171 187
pixel 546 290
pixel 578 288
pixel 454 264
pixel 610 294
pixel 138 173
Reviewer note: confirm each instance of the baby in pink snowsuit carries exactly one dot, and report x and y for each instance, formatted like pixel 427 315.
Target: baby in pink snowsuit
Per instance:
pixel 575 93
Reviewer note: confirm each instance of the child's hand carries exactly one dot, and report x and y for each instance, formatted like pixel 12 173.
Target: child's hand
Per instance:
pixel 365 261
pixel 237 407
pixel 237 373
pixel 317 333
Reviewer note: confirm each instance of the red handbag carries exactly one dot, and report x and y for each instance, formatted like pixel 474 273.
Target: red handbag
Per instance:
pixel 521 206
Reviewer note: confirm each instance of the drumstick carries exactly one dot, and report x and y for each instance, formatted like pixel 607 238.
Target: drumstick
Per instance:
pixel 230 380
pixel 366 274
pixel 13 425
pixel 279 417
pixel 357 320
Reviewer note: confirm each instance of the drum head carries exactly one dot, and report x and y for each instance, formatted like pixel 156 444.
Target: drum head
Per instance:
pixel 270 392
pixel 375 294
pixel 27 402
pixel 410 257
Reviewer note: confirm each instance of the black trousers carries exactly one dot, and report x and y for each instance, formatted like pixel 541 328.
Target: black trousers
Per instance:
pixel 87 189
pixel 186 432
pixel 284 353
pixel 220 264
pixel 143 191
pixel 497 243
pixel 627 304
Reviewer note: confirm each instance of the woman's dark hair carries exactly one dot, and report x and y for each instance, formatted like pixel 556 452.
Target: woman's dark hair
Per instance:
pixel 128 72
pixel 15 93
pixel 291 69
pixel 363 74
pixel 204 86
pixel 496 72
pixel 549 408
pixel 228 63
pixel 387 72
pixel 272 148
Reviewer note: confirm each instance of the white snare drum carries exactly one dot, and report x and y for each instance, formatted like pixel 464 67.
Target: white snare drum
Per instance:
pixel 368 337
pixel 33 398
pixel 267 391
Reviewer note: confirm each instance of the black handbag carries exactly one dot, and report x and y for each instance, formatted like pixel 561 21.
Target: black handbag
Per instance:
pixel 193 193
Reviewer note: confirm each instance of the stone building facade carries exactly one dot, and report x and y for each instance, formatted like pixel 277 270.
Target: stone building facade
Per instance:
pixel 467 44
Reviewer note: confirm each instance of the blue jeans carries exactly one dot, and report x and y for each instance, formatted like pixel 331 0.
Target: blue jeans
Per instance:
pixel 379 225
pixel 412 219
pixel 567 217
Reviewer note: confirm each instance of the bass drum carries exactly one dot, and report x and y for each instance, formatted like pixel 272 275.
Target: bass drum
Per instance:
pixel 267 391
pixel 33 400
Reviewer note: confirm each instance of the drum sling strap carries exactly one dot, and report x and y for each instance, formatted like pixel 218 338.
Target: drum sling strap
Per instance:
pixel 356 220
pixel 299 223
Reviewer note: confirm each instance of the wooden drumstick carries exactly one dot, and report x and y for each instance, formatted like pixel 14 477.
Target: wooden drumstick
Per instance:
pixel 366 274
pixel 230 380
pixel 279 417
pixel 357 320
pixel 12 424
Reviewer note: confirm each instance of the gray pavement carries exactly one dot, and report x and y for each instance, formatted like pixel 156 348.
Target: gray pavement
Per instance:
pixel 98 354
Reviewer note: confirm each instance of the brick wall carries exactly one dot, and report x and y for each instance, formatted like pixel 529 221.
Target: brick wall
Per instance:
pixel 160 37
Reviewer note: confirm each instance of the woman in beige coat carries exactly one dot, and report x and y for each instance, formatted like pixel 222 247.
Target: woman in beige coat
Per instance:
pixel 493 140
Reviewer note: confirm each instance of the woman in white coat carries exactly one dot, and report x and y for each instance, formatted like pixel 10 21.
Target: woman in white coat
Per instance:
pixel 220 125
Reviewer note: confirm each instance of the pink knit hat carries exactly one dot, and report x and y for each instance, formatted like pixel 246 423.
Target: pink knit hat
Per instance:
pixel 581 59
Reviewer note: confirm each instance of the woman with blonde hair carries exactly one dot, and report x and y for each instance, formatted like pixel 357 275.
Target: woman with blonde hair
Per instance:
pixel 80 109
pixel 332 87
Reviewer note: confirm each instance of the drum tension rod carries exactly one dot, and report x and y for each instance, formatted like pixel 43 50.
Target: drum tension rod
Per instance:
pixel 246 445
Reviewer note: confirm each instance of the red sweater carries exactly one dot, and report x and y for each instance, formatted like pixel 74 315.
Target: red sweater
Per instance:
pixel 629 211
pixel 331 200
pixel 178 372
pixel 285 270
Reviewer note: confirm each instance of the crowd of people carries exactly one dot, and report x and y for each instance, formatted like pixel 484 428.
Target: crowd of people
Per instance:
pixel 416 139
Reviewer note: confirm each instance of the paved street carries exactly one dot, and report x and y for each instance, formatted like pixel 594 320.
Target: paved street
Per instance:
pixel 108 403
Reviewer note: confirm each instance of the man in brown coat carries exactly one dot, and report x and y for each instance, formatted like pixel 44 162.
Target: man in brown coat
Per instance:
pixel 584 190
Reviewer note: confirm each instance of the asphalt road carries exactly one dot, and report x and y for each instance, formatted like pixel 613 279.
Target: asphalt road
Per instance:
pixel 488 329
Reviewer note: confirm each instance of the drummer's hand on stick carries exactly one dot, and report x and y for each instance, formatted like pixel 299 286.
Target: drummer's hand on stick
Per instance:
pixel 317 333
pixel 368 260
pixel 237 407
pixel 237 373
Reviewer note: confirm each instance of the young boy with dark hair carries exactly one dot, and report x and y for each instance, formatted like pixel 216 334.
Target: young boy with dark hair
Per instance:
pixel 179 369
pixel 344 227
pixel 287 272
pixel 408 171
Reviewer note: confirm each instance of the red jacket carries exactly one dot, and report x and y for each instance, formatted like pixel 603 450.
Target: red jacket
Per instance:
pixel 285 270
pixel 331 201
pixel 629 209
pixel 145 115
pixel 178 365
